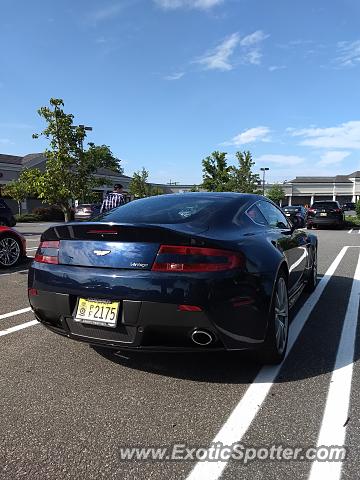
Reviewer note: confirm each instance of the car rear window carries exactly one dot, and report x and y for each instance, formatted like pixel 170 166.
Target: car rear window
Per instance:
pixel 325 205
pixel 167 209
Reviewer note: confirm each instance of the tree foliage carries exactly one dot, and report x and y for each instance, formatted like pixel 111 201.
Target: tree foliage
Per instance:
pixel 242 178
pixel 276 193
pixel 139 187
pixel 216 172
pixel 70 170
pixel 17 191
pixel 357 209
pixel 218 176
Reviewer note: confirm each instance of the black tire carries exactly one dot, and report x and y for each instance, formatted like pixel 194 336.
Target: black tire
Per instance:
pixel 312 280
pixel 10 251
pixel 271 352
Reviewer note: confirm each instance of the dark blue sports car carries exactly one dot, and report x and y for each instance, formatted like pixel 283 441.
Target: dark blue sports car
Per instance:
pixel 184 272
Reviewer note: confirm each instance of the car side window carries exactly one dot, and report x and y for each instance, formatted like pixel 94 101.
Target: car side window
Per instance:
pixel 255 215
pixel 273 215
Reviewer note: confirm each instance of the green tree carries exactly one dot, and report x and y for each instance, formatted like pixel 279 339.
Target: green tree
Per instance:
pixel 216 172
pixel 276 193
pixel 138 185
pixel 357 209
pixel 194 188
pixel 17 191
pixel 242 178
pixel 70 170
pixel 154 191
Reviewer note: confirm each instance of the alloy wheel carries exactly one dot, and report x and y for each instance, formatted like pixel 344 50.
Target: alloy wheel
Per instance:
pixel 9 251
pixel 281 315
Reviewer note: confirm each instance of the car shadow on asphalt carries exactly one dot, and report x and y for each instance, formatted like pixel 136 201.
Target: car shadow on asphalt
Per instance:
pixel 22 268
pixel 313 354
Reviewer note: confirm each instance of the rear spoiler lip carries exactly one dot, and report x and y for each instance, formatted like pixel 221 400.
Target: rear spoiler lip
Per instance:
pixel 175 228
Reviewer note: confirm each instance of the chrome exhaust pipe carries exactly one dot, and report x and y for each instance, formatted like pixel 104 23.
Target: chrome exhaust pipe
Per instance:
pixel 202 337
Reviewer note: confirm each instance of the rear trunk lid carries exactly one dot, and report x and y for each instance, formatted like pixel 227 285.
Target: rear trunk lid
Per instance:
pixel 122 246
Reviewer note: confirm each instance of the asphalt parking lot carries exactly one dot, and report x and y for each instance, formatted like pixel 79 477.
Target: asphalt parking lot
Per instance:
pixel 66 410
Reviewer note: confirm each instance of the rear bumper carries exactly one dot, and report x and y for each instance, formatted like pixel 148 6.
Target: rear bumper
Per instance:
pixel 325 221
pixel 236 320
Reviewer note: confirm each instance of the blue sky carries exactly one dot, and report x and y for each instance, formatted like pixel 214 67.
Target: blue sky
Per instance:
pixel 166 82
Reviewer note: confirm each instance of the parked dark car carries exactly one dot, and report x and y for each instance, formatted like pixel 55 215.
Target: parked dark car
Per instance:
pixel 296 214
pixel 7 218
pixel 12 247
pixel 325 213
pixel 348 207
pixel 86 211
pixel 182 272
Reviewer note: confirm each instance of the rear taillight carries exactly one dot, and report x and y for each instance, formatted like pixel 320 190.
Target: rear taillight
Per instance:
pixel 171 258
pixel 48 252
pixel 337 210
pixel 189 308
pixel 311 210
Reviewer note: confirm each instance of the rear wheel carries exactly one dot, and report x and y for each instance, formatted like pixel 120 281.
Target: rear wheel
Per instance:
pixel 10 251
pixel 276 339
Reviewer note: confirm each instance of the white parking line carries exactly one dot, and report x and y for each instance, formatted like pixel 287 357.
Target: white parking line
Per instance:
pixel 18 327
pixel 244 413
pixel 333 426
pixel 12 273
pixel 14 313
pixel 350 231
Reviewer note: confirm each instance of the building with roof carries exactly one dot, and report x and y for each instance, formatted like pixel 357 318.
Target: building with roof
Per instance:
pixel 299 191
pixel 12 165
pixel 306 190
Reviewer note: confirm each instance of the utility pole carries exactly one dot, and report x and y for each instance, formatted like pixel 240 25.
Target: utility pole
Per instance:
pixel 264 169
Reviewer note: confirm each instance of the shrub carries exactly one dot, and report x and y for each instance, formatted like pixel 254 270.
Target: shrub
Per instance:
pixel 357 208
pixel 49 214
pixel 27 217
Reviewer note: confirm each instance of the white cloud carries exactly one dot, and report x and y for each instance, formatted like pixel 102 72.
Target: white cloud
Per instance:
pixel 219 58
pixel 348 53
pixel 273 68
pixel 175 76
pixel 104 13
pixel 256 134
pixel 100 40
pixel 4 141
pixel 281 160
pixel 253 39
pixel 345 135
pixel 251 45
pixel 333 157
pixel 253 57
pixel 198 4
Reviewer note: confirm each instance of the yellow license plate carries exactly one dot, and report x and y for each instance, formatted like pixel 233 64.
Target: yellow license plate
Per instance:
pixel 97 312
